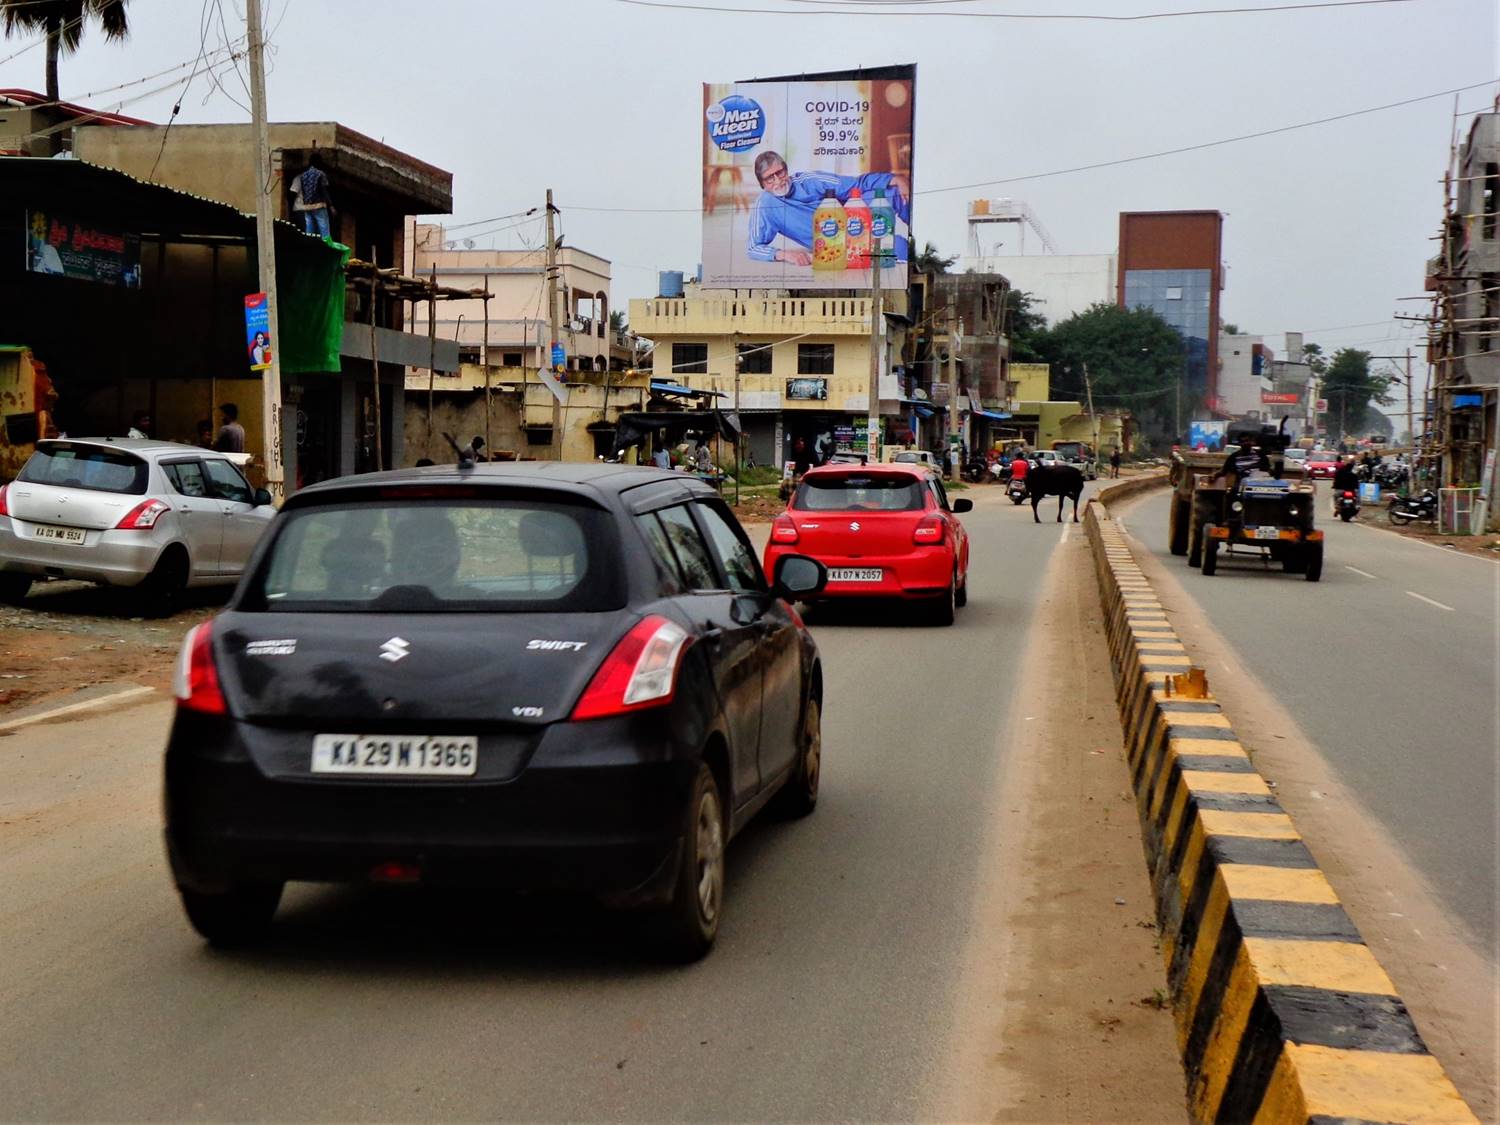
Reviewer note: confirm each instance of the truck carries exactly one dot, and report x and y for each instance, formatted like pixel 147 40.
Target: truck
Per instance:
pixel 1272 519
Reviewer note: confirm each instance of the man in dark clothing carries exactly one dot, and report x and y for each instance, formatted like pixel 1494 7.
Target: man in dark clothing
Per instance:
pixel 1344 480
pixel 1114 462
pixel 231 437
pixel 1243 461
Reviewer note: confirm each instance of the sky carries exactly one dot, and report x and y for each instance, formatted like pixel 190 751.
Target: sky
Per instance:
pixel 1326 227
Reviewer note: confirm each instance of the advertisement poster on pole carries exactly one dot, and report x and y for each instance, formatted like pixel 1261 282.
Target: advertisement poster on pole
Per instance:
pixel 807 182
pixel 258 331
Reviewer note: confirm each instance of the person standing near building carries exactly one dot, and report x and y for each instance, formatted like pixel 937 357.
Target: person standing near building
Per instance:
pixel 311 198
pixel 1114 462
pixel 140 425
pixel 231 437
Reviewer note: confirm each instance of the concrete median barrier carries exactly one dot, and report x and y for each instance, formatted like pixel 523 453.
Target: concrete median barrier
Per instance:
pixel 1283 1013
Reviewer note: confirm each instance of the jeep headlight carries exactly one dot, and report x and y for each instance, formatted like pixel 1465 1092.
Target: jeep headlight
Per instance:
pixel 1236 507
pixel 1291 511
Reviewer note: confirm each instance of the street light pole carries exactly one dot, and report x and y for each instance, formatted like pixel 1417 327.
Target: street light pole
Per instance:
pixel 265 247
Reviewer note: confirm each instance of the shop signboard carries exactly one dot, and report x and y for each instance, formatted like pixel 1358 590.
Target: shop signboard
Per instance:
pixel 65 247
pixel 807 390
pixel 807 184
pixel 1279 398
pixel 258 331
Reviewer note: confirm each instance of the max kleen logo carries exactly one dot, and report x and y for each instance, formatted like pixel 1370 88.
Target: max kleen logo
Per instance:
pixel 736 123
pixel 395 649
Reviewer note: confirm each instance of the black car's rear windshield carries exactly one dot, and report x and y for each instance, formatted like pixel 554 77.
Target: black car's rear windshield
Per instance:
pixel 862 492
pixel 86 466
pixel 440 555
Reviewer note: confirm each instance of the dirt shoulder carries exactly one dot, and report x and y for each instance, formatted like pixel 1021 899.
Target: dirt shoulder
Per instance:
pixel 1065 1017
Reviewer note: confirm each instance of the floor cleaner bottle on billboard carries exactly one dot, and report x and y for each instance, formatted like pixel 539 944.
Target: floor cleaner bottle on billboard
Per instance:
pixel 857 232
pixel 882 229
pixel 830 222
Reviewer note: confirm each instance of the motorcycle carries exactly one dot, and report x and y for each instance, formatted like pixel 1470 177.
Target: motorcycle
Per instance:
pixel 976 470
pixel 1404 509
pixel 1347 505
pixel 1016 490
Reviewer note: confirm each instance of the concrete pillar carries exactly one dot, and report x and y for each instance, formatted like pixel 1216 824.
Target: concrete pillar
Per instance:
pixel 348 421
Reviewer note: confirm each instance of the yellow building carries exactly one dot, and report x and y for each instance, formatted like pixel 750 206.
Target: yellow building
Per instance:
pixel 803 363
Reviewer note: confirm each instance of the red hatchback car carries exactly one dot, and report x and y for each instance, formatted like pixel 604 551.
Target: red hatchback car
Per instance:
pixel 1322 464
pixel 883 531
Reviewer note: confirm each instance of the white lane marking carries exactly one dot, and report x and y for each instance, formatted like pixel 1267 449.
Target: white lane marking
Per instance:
pixel 1356 570
pixel 1429 601
pixel 82 705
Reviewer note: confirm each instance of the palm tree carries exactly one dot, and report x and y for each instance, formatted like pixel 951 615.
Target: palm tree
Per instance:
pixel 62 21
pixel 933 260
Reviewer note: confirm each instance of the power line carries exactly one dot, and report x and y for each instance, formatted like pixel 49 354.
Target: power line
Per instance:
pixel 1105 163
pixel 1051 16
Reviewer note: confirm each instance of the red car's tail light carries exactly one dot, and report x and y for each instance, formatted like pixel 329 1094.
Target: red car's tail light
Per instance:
pixel 640 672
pixel 143 516
pixel 783 529
pixel 196 684
pixel 4 511
pixel 931 530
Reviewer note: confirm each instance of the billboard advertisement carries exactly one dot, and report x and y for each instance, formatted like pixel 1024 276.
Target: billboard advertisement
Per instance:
pixel 258 331
pixel 1206 435
pixel 62 246
pixel 807 184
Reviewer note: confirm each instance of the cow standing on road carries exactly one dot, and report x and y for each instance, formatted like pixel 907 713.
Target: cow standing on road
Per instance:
pixel 1054 480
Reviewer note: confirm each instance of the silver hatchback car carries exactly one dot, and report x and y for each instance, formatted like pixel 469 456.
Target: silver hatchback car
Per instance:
pixel 128 512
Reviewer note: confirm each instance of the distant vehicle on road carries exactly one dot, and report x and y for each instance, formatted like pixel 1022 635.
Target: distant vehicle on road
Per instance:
pixel 916 457
pixel 154 515
pixel 525 675
pixel 883 531
pixel 1079 453
pixel 1322 464
pixel 1297 455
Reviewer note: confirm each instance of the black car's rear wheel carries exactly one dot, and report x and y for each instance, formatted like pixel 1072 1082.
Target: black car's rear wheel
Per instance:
pixel 1177 526
pixel 799 796
pixel 14 588
pixel 236 917
pixel 687 926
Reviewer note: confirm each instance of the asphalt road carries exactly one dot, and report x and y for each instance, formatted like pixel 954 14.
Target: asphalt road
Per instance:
pixel 1390 665
pixel 830 995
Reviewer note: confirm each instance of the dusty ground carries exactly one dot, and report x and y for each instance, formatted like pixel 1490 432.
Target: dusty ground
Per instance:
pixel 1078 1028
pixel 1487 545
pixel 69 636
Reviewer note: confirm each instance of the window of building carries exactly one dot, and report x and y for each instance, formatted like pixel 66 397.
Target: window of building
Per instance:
pixel 1174 293
pixel 690 359
pixel 1490 199
pixel 1490 328
pixel 511 359
pixel 755 359
pixel 815 359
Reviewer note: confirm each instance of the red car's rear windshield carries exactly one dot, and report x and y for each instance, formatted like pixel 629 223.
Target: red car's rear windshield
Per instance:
pixel 861 492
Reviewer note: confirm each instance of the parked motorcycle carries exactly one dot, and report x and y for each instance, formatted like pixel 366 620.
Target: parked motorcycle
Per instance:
pixel 1347 505
pixel 1404 509
pixel 976 470
pixel 1016 490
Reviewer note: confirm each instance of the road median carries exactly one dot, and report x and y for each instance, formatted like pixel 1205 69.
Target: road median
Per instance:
pixel 1283 1013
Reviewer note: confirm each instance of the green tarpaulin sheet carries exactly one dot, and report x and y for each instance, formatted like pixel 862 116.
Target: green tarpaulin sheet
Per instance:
pixel 310 303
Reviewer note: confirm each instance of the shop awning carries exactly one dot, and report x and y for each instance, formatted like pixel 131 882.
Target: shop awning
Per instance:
pixel 997 415
pixel 923 409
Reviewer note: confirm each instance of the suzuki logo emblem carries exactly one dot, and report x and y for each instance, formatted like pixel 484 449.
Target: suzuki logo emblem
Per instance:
pixel 854 526
pixel 394 649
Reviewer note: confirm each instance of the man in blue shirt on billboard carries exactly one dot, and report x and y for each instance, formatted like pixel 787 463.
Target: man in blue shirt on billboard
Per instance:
pixel 787 201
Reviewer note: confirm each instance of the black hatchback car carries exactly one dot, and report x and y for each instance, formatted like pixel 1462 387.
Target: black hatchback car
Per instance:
pixel 520 675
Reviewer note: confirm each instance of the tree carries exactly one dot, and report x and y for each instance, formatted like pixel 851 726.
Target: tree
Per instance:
pixel 617 320
pixel 1351 388
pixel 1312 355
pixel 62 21
pixel 932 260
pixel 1230 330
pixel 1024 325
pixel 1134 357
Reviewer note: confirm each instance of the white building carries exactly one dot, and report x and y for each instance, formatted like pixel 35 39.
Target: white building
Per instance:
pixel 1243 375
pixel 1063 284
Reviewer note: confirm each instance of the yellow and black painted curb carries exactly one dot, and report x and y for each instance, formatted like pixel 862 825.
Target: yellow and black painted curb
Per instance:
pixel 1282 1012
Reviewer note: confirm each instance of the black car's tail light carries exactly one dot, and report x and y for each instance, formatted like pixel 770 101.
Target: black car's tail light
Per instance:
pixel 640 672
pixel 783 529
pixel 196 684
pixel 930 531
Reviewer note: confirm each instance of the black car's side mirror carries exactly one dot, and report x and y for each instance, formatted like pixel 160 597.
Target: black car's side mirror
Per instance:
pixel 262 497
pixel 798 577
pixel 964 504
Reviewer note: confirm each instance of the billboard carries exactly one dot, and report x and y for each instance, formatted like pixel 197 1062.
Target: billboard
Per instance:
pixel 64 247
pixel 807 184
pixel 1206 435
pixel 1279 398
pixel 258 331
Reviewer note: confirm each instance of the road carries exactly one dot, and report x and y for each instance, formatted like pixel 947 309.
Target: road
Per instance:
pixel 831 995
pixel 1389 664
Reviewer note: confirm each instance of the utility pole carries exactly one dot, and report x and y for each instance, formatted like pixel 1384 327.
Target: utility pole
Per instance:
pixel 872 419
pixel 557 434
pixel 484 356
pixel 953 423
pixel 265 246
pixel 374 345
pixel 1088 388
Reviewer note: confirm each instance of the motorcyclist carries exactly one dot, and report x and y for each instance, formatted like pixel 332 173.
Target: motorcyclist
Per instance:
pixel 1019 467
pixel 1345 479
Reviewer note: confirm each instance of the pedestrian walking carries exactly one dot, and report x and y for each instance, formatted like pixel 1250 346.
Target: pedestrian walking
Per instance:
pixel 1114 462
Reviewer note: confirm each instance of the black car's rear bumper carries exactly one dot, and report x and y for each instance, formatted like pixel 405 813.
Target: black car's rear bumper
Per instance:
pixel 592 806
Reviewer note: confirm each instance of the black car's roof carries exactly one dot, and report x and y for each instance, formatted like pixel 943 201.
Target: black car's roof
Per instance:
pixel 605 479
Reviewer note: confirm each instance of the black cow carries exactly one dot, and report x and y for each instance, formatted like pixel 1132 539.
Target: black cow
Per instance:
pixel 1054 480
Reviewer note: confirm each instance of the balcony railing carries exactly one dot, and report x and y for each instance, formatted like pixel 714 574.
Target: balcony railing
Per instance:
pixel 824 315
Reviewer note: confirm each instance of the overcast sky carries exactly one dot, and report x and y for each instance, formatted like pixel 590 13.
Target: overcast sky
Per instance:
pixel 1326 227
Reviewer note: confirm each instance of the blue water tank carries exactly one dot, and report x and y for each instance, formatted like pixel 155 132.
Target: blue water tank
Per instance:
pixel 669 283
